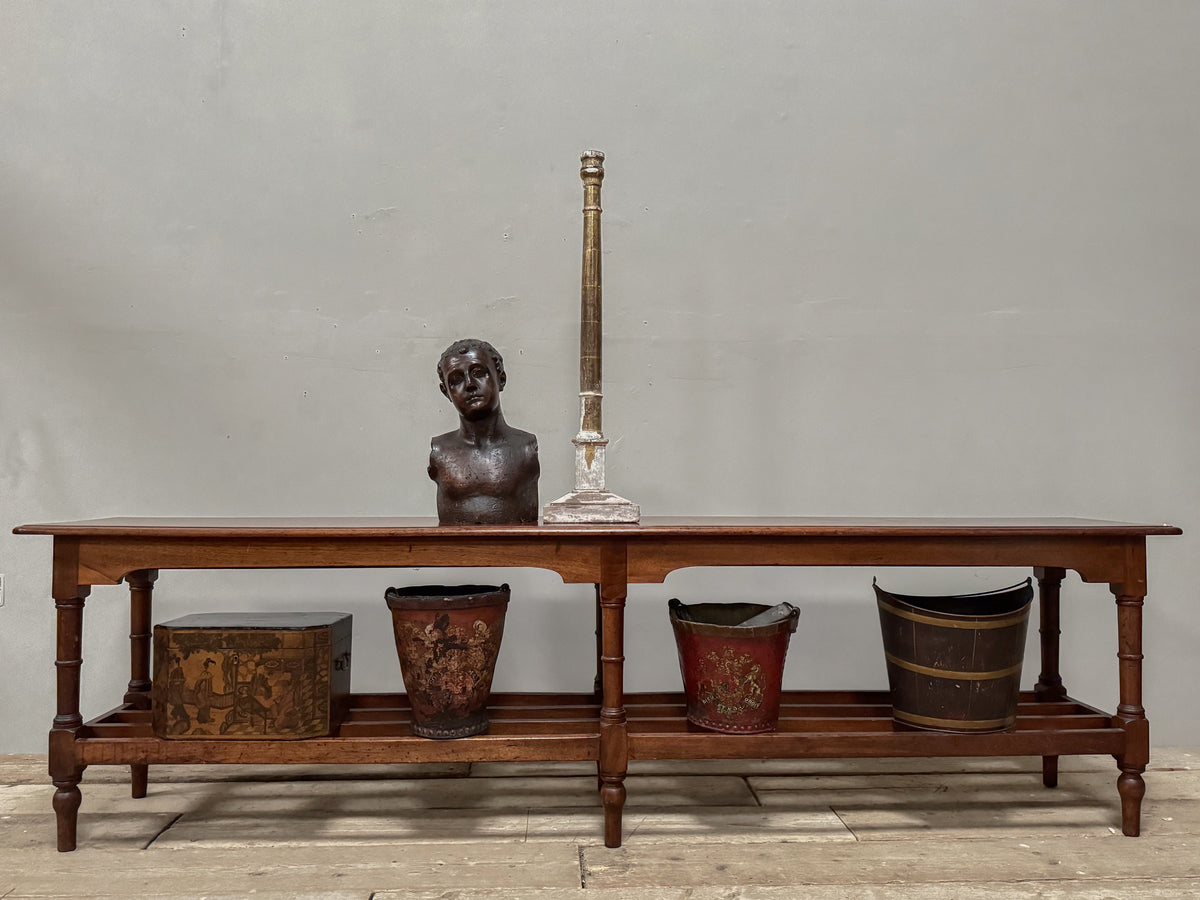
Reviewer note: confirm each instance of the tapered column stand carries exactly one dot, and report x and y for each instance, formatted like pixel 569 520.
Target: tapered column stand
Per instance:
pixel 591 501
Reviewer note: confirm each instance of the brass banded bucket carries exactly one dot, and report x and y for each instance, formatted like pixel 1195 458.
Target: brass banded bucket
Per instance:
pixel 954 662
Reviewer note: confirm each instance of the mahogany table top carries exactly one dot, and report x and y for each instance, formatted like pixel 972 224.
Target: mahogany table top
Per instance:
pixel 657 526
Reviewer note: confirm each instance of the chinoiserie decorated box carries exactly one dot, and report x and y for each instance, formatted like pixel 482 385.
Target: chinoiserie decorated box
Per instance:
pixel 242 676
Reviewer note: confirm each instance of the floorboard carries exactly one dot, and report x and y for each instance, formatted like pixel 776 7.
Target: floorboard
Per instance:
pixel 968 829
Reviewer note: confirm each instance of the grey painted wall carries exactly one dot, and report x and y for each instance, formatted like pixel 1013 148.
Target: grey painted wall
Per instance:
pixel 928 258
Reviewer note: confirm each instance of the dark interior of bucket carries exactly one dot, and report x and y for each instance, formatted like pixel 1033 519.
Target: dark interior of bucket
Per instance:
pixel 717 613
pixel 989 603
pixel 443 591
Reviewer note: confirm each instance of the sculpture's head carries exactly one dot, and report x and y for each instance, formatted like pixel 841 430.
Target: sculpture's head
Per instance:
pixel 471 375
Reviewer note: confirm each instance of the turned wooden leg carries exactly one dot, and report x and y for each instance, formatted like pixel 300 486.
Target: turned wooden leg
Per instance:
pixel 598 683
pixel 1131 715
pixel 1049 687
pixel 614 740
pixel 141 589
pixel 65 770
pixel 1132 789
pixel 66 811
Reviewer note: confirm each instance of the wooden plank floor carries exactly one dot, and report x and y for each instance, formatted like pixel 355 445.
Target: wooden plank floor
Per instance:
pixel 969 829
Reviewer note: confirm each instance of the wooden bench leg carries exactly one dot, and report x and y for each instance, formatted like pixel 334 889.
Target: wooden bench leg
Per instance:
pixel 1050 771
pixel 66 812
pixel 1132 789
pixel 1049 687
pixel 65 771
pixel 137 696
pixel 1131 715
pixel 614 739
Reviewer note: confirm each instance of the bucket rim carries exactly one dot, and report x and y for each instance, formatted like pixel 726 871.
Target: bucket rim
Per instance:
pixel 446 596
pixel 1015 601
pixel 711 629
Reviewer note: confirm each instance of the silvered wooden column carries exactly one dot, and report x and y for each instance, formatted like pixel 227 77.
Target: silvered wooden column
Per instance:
pixel 591 501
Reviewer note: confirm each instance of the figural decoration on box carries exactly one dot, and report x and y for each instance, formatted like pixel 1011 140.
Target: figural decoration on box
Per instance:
pixel 591 501
pixel 247 676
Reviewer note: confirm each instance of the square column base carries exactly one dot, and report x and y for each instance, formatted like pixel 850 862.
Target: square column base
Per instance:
pixel 591 507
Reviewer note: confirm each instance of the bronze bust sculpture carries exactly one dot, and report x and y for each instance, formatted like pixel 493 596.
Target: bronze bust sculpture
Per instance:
pixel 486 471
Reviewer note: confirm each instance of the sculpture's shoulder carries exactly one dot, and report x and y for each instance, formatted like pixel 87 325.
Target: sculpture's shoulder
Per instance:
pixel 440 444
pixel 442 449
pixel 524 443
pixel 524 439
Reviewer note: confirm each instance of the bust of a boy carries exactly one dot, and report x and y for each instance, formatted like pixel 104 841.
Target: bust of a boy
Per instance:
pixel 486 471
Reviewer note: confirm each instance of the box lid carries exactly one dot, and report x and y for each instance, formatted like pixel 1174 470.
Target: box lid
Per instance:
pixel 257 621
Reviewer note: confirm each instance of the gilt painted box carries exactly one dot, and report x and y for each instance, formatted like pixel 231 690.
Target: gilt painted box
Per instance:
pixel 245 676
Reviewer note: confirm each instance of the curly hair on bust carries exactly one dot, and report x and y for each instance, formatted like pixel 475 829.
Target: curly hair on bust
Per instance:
pixel 466 345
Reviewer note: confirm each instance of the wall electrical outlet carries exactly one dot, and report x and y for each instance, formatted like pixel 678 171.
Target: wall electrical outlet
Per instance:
pixel 1 590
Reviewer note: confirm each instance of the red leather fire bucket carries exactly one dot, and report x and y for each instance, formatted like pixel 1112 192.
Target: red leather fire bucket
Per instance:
pixel 732 674
pixel 448 638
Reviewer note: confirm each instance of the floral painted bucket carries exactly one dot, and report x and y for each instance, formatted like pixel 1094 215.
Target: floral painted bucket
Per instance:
pixel 448 639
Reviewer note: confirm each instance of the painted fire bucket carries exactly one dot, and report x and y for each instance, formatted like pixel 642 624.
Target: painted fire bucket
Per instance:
pixel 732 672
pixel 448 638
pixel 954 662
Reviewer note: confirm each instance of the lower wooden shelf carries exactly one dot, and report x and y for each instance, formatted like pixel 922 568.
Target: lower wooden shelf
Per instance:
pixel 375 730
pixel 844 724
pixel 816 724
